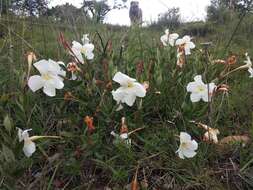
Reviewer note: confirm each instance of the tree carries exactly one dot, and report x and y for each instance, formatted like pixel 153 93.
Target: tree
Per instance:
pixel 99 9
pixel 170 19
pixel 30 7
pixel 64 12
pixel 223 11
pixel 5 6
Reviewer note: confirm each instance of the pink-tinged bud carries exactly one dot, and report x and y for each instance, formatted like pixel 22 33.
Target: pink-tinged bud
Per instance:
pixel 31 57
pixel 72 66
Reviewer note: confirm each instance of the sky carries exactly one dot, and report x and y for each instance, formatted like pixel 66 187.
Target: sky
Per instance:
pixel 190 10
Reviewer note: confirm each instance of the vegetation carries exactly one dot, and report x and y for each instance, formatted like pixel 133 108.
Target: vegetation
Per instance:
pixel 87 156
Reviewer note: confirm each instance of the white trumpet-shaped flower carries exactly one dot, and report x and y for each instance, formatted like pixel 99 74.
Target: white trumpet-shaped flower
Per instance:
pixel 86 48
pixel 50 78
pixel 187 146
pixel 169 39
pixel 129 89
pixel 29 146
pixel 249 65
pixel 186 43
pixel 199 90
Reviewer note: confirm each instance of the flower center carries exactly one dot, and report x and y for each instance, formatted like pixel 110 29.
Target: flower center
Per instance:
pixel 200 88
pixel 84 50
pixel 184 145
pixel 130 85
pixel 46 77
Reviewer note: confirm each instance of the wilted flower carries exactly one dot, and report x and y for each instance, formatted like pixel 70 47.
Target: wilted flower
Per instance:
pixel 168 38
pixel 129 90
pixel 222 88
pixel 180 57
pixel 73 68
pixel 123 137
pixel 86 48
pixel 211 134
pixel 50 79
pixel 31 57
pixel 187 146
pixel 89 122
pixel 231 60
pixel 186 43
pixel 200 90
pixel 29 146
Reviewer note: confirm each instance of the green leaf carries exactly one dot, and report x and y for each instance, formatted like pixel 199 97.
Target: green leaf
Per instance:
pixel 7 123
pixel 8 154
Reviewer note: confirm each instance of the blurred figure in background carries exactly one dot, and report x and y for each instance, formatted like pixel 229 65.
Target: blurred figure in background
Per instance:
pixel 135 13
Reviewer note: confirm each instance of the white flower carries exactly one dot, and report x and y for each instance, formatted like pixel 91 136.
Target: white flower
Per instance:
pixel 129 90
pixel 199 90
pixel 86 48
pixel 50 78
pixel 29 146
pixel 186 43
pixel 168 38
pixel 122 138
pixel 249 65
pixel 187 146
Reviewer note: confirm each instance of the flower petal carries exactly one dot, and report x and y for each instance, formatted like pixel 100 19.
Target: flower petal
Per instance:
pixel 191 45
pixel 198 79
pixel 195 97
pixel 164 39
pixel 55 82
pixel 180 154
pixel 139 90
pixel 251 72
pixel 180 42
pixel 191 87
pixel 35 83
pixel 184 137
pixel 42 66
pixel 89 55
pixel 187 39
pixel 189 153
pixel 193 145
pixel 118 95
pixel 49 89
pixel 29 148
pixel 76 45
pixel 129 99
pixel 122 79
pixel 78 55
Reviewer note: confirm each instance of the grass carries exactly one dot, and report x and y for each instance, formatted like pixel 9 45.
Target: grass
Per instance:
pixel 83 161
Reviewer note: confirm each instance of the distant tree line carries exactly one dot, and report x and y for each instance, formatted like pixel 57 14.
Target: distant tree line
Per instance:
pixel 222 11
pixel 91 9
